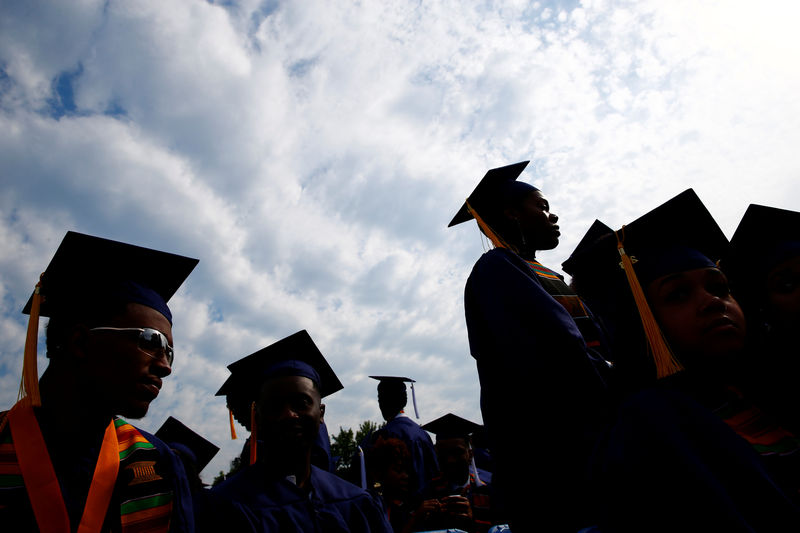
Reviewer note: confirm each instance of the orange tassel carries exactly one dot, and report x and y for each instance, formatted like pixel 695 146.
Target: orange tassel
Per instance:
pixel 253 435
pixel 29 385
pixel 233 429
pixel 666 363
pixel 497 241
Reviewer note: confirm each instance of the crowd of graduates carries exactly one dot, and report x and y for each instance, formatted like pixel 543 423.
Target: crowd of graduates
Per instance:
pixel 656 391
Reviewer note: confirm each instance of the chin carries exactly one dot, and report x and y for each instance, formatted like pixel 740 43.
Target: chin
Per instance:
pixel 134 411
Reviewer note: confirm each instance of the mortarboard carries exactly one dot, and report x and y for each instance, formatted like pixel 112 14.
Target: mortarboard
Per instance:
pixel 676 236
pixel 177 435
pixel 588 243
pixel 87 273
pixel 491 191
pixel 293 355
pixel 397 384
pixel 451 426
pixel 765 237
pixel 87 270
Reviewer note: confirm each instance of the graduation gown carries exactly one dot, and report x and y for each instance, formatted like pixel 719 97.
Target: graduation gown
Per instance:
pixel 252 500
pixel 543 401
pixel 420 447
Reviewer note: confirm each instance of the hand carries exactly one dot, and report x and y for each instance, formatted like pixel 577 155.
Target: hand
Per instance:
pixel 457 506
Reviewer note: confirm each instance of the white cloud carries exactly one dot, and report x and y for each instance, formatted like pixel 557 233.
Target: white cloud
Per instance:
pixel 311 157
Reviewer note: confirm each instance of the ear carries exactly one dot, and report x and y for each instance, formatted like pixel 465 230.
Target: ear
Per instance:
pixel 321 412
pixel 77 342
pixel 511 213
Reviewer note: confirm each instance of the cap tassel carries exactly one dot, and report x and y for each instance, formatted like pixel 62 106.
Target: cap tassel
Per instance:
pixel 253 434
pixel 363 468
pixel 233 429
pixel 29 385
pixel 666 363
pixel 497 241
pixel 414 400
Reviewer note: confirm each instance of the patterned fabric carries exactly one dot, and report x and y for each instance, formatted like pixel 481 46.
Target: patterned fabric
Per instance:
pixel 563 294
pixel 750 423
pixel 144 498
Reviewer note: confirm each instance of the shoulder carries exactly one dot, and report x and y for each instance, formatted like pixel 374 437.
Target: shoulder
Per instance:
pixel 498 258
pixel 332 487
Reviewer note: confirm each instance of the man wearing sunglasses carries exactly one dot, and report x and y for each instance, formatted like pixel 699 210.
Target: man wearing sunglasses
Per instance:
pixel 69 463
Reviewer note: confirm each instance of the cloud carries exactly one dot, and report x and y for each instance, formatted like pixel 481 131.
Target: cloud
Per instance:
pixel 312 155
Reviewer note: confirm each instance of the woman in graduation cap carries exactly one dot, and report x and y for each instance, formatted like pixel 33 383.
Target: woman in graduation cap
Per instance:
pixel 764 268
pixel 683 435
pixel 540 358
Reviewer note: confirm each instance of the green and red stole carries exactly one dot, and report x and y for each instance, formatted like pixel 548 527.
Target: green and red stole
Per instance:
pixel 569 300
pixel 126 477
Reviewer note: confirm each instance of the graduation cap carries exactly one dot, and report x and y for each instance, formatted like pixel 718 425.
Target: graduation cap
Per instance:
pixel 595 232
pixel 87 271
pixel 295 355
pixel 765 237
pixel 397 384
pixel 677 236
pixel 451 426
pixel 178 436
pixel 492 192
pixel 90 274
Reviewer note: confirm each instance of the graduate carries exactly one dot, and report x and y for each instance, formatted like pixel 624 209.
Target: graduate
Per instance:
pixel 764 268
pixel 684 434
pixel 538 352
pixel 281 490
pixel 389 464
pixel 392 400
pixel 458 482
pixel 68 461
pixel 240 397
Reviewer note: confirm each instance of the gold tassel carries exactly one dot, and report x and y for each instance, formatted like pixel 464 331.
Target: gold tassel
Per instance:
pixel 29 385
pixel 497 241
pixel 233 429
pixel 666 363
pixel 253 435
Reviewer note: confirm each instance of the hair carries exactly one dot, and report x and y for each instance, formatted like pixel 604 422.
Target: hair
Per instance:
pixel 386 452
pixel 90 315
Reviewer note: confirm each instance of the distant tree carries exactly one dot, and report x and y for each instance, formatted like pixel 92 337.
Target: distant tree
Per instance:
pixel 344 445
pixel 236 465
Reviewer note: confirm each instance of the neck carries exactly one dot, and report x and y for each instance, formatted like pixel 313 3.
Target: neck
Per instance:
pixel 67 406
pixel 283 464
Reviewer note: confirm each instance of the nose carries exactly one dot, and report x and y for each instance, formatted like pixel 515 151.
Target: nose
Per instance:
pixel 288 413
pixel 160 367
pixel 553 218
pixel 712 303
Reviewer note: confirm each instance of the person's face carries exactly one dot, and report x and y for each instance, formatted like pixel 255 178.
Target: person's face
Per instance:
pixel 289 413
pixel 698 315
pixel 536 222
pixel 783 294
pixel 395 481
pixel 124 376
pixel 454 457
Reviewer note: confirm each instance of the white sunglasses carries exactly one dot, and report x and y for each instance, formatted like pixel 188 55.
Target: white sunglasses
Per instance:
pixel 150 341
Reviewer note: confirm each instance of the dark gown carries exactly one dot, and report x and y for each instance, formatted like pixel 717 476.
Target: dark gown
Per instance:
pixel 670 464
pixel 420 446
pixel 252 500
pixel 543 401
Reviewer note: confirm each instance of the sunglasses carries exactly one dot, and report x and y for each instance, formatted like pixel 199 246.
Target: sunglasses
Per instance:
pixel 150 341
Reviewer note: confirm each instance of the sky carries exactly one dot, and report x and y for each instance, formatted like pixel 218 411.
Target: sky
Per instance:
pixel 311 154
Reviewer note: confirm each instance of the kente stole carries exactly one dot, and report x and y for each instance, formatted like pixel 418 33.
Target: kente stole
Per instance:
pixel 569 300
pixel 143 497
